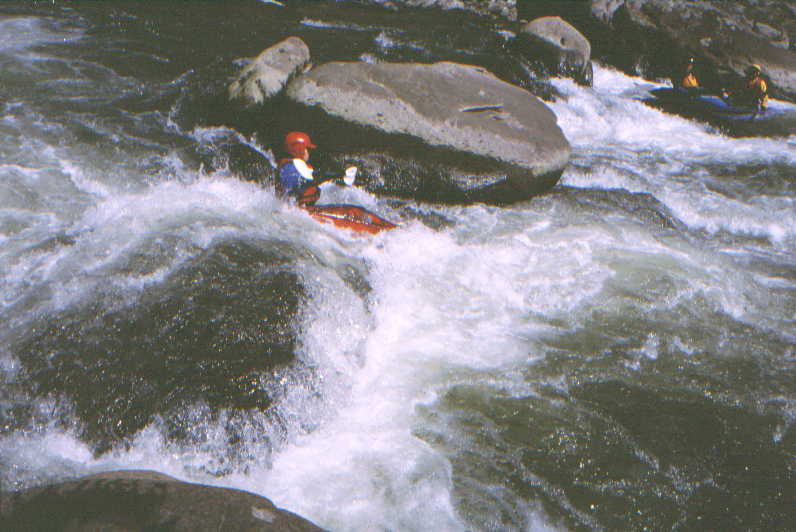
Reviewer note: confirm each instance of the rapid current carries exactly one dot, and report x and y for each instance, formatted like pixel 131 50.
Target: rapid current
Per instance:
pixel 618 353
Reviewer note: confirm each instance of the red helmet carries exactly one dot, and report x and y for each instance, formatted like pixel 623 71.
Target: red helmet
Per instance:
pixel 296 142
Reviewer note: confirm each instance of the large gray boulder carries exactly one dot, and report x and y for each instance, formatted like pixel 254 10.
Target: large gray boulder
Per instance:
pixel 729 36
pixel 476 137
pixel 563 48
pixel 267 74
pixel 123 501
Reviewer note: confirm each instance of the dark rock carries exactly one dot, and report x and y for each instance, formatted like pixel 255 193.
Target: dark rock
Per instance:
pixel 122 501
pixel 441 132
pixel 221 322
pixel 563 49
pixel 249 164
pixel 267 74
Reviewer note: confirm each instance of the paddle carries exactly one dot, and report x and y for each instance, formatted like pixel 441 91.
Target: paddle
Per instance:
pixel 349 178
pixel 312 193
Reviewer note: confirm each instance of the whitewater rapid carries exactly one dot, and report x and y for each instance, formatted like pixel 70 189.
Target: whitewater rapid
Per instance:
pixel 657 217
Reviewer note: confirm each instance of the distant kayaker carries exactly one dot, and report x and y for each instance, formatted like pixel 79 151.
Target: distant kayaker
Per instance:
pixel 296 175
pixel 756 92
pixel 689 80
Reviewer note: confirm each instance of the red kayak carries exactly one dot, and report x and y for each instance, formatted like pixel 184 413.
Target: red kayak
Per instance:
pixel 351 217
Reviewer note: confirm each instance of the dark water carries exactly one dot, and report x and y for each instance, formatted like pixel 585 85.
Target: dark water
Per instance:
pixel 615 355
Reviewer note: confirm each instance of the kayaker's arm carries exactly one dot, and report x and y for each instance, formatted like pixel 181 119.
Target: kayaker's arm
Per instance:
pixel 311 192
pixel 348 178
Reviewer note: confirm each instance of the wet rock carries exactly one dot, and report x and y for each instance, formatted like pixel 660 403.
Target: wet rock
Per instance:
pixel 267 74
pixel 441 132
pixel 563 49
pixel 122 501
pixel 729 36
pixel 203 340
pixel 604 9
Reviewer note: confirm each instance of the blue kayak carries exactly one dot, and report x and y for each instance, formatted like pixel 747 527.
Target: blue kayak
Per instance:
pixel 711 105
pixel 779 118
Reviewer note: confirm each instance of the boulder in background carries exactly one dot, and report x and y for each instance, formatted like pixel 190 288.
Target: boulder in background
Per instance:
pixel 267 74
pixel 561 47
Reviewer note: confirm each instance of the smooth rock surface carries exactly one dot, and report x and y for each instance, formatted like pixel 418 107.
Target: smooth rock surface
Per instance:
pixel 451 108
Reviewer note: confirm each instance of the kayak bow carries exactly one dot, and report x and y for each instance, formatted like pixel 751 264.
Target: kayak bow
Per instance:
pixel 350 217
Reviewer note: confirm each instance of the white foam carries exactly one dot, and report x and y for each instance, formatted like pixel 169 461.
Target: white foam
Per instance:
pixel 611 115
pixel 442 308
pixel 315 23
pixel 24 32
pixel 385 41
pixel 621 143
pixel 445 304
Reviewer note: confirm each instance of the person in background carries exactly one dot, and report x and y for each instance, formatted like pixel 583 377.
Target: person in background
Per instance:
pixel 756 91
pixel 689 80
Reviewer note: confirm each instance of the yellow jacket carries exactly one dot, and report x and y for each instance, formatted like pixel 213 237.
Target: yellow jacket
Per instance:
pixel 758 89
pixel 690 81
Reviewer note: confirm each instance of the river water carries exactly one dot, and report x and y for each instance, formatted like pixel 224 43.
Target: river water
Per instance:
pixel 617 354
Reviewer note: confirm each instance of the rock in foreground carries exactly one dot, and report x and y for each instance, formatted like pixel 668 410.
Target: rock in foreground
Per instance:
pixel 143 500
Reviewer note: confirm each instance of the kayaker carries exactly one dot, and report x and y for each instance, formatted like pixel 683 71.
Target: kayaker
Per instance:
pixel 756 92
pixel 297 178
pixel 295 173
pixel 689 80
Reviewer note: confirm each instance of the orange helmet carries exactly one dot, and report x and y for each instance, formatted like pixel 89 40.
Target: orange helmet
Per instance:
pixel 296 142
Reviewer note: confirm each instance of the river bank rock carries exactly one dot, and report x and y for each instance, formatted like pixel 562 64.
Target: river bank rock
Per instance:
pixel 725 36
pixel 268 73
pixel 562 48
pixel 122 501
pixel 443 132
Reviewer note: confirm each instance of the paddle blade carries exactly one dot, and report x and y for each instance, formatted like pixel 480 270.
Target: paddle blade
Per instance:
pixel 350 175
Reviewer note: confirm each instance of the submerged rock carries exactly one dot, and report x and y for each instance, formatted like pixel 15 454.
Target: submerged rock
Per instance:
pixel 267 74
pixel 441 132
pixel 563 49
pixel 206 339
pixel 122 501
